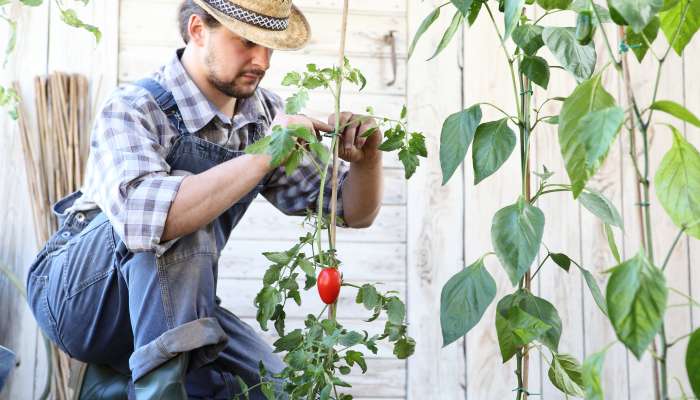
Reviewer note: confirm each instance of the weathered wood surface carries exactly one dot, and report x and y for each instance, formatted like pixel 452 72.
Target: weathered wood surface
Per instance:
pixel 425 232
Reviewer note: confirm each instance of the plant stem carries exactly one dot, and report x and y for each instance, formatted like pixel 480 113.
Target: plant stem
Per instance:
pixel 509 58
pixel 673 246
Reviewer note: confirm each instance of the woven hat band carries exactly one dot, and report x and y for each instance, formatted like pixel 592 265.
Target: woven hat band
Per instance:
pixel 249 16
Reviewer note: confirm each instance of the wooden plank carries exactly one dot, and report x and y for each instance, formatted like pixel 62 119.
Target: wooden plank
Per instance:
pixel 434 219
pixel 238 294
pixel 692 102
pixel 18 245
pixel 365 32
pixel 487 376
pixel 261 218
pixel 362 262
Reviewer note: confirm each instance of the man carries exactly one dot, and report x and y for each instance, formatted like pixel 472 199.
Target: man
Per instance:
pixel 129 280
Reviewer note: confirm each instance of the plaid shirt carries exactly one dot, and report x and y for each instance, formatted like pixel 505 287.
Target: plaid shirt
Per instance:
pixel 128 178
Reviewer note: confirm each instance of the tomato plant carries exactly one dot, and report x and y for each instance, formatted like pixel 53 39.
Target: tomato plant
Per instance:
pixel 589 121
pixel 323 351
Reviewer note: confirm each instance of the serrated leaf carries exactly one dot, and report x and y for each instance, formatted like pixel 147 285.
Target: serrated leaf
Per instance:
pixel 410 162
pixel 296 102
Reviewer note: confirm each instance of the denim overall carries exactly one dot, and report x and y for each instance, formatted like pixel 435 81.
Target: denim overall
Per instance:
pixel 101 303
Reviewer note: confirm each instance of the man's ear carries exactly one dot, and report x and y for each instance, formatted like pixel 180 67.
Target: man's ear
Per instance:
pixel 196 30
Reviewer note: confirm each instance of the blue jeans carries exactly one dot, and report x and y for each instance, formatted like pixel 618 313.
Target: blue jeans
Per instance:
pixel 101 303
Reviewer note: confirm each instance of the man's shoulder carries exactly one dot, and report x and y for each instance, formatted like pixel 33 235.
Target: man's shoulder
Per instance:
pixel 131 95
pixel 271 100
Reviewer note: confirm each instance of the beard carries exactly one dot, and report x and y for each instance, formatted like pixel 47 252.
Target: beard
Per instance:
pixel 230 87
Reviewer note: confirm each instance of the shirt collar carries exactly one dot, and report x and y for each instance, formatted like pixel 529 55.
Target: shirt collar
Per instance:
pixel 197 111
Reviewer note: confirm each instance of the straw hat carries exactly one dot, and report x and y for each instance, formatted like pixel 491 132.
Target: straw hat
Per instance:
pixel 276 24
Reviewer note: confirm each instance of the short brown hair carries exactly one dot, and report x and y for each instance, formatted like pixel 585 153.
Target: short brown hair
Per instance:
pixel 186 10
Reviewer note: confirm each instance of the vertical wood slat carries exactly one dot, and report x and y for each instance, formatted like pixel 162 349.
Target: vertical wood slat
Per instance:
pixel 17 240
pixel 433 221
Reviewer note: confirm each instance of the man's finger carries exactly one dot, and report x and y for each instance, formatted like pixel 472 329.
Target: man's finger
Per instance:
pixel 320 125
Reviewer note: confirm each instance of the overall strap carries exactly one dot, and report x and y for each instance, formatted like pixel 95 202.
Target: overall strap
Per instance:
pixel 165 101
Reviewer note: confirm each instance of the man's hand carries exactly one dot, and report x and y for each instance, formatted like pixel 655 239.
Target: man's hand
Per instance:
pixel 352 146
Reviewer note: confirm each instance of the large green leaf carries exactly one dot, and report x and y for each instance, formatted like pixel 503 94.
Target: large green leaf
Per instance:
pixel 427 22
pixel 565 375
pixel 449 33
pixel 592 370
pixel 671 22
pixel 588 124
pixel 457 134
pixel 636 41
pixel 601 207
pixel 677 184
pixel 637 13
pixel 692 362
pixel 554 4
pixel 464 299
pixel 493 143
pixel 636 297
pixel 515 327
pixel 544 311
pixel 528 37
pixel 513 10
pixel 516 234
pixel 536 69
pixel 577 59
pixel 677 110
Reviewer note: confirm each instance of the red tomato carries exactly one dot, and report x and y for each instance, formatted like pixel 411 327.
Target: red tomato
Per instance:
pixel 328 284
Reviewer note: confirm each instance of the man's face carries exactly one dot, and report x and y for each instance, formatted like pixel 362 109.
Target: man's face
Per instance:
pixel 235 65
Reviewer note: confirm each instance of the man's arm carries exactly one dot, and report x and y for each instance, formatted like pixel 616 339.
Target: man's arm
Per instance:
pixel 203 197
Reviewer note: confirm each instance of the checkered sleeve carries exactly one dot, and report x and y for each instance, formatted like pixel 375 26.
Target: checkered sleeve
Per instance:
pixel 297 193
pixel 135 187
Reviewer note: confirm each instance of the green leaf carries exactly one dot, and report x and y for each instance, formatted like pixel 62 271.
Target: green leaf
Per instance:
pixel 536 69
pixel 351 338
pixel 396 310
pixel 267 390
pixel 457 134
pixel 580 5
pixel 464 300
pixel 243 386
pixel 511 15
pixel 493 143
pixel 636 298
pixel 296 102
pixel 601 207
pixel 281 145
pixel 260 146
pixel 266 301
pixel 463 5
pixel 278 257
pixel 474 11
pixel 677 183
pixel 404 348
pixel 637 13
pixel 410 162
pixel 544 311
pixel 591 372
pixel 671 22
pixel 554 4
pixel 516 234
pixel 427 22
pixel 528 37
pixel 588 124
pixel 594 289
pixel 611 243
pixel 70 17
pixel 578 60
pixel 692 362
pixel 368 296
pixel 321 151
pixel 562 260
pixel 293 161
pixel 449 33
pixel 353 357
pixel 636 41
pixel 565 375
pixel 289 342
pixel 292 78
pixel 416 144
pixel 677 110
pixel 516 327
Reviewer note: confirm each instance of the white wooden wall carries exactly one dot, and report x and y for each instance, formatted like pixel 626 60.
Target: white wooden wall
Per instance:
pixel 425 232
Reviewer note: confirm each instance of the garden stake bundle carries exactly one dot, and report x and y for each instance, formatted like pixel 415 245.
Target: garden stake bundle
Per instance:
pixel 54 156
pixel 323 350
pixel 589 121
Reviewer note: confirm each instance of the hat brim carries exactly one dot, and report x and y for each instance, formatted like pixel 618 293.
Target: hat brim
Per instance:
pixel 295 37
